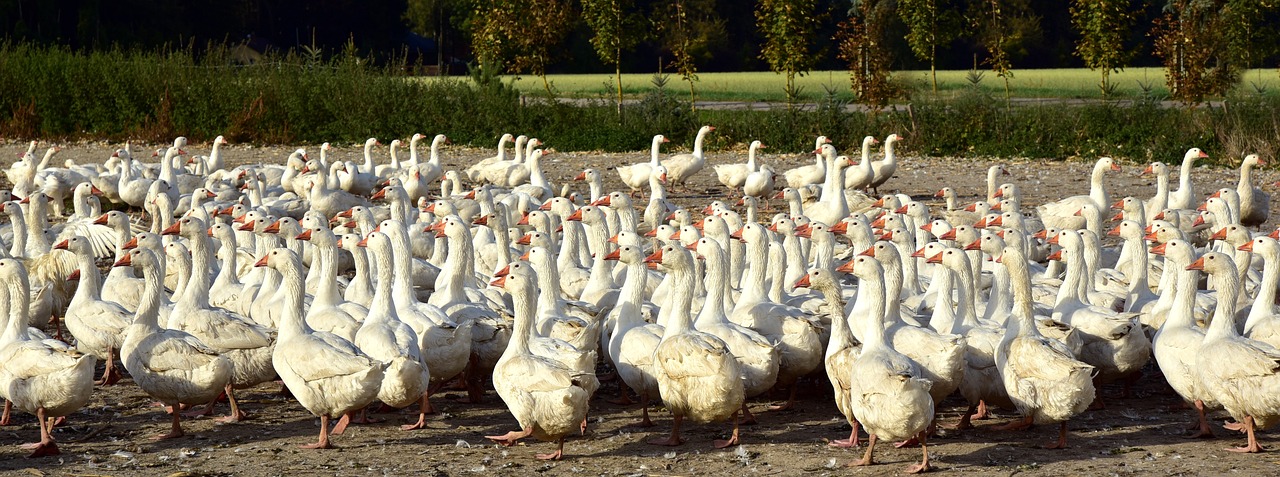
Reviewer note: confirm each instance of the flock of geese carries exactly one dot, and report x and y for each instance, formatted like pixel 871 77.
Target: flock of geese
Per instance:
pixel 356 282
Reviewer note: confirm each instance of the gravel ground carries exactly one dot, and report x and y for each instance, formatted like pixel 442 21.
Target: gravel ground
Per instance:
pixel 1134 436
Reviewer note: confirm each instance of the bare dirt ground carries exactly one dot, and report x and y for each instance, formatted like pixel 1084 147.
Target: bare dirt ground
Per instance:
pixel 1134 436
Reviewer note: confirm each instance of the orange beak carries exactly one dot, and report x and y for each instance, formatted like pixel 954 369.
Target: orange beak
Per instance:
pixel 526 239
pixel 1220 234
pixel 172 229
pixel 305 235
pixel 918 253
pixel 846 267
pixel 506 270
pixel 482 220
pixel 616 254
pixel 262 262
pixel 273 228
pixel 1056 255
pixel 939 194
pixel 131 244
pixel 1247 247
pixel 655 258
pixel 1114 232
pixel 61 245
pixel 501 282
pixel 126 261
pixel 95 191
pixel 582 176
pixel 524 220
pixel 1158 249
pixel 247 227
pixel 380 194
pixel 869 252
pixel 603 201
pixel 101 220
pixel 934 259
pixel 803 282
pixel 839 228
pixel 1197 265
pixel 737 234
pixel 976 245
pixel 576 215
pixel 948 235
pixel 75 275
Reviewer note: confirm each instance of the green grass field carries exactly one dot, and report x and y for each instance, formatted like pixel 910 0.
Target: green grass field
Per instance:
pixel 768 86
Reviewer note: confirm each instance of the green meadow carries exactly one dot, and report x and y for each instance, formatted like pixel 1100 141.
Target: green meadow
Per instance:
pixel 768 86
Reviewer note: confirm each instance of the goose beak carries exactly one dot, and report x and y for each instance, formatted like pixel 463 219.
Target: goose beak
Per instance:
pixel 126 261
pixel 803 282
pixel 976 245
pixel 1247 247
pixel 131 244
pixel 62 245
pixel 305 235
pixel 75 275
pixel 869 252
pixel 501 282
pixel 506 270
pixel 1056 255
pixel 262 262
pixel 101 220
pixel 273 228
pixel 1158 249
pixel 1197 265
pixel 934 259
pixel 616 254
pixel 172 229
pixel 656 257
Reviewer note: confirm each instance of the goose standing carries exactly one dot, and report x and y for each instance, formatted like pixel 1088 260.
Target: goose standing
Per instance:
pixel 170 365
pixel 681 167
pixel 1185 197
pixel 734 176
pixel 884 169
pixel 636 176
pixel 1044 380
pixel 888 395
pixel 97 324
pixel 842 349
pixel 41 377
pixel 630 346
pixel 1241 374
pixel 328 375
pixel 697 376
pixel 1178 340
pixel 547 398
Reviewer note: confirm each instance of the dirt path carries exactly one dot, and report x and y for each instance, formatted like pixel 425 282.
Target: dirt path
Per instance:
pixel 1135 436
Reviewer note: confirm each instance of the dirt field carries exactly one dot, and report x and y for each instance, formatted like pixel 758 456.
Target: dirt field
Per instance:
pixel 1136 436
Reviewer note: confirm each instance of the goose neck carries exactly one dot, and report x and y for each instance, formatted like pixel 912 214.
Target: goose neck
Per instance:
pixel 713 306
pixel 1223 323
pixel 682 285
pixel 291 322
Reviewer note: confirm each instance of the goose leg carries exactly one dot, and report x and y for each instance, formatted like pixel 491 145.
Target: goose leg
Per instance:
pixel 510 438
pixel 866 458
pixel 46 446
pixel 323 442
pixel 733 438
pixel 623 399
pixel 982 411
pixel 110 375
pixel 236 414
pixel 8 409
pixel 1062 438
pixel 852 441
pixel 422 416
pixel 1205 430
pixel 965 420
pixel 554 455
pixel 791 400
pixel 644 410
pixel 923 466
pixel 1253 445
pixel 748 419
pixel 675 439
pixel 1017 425
pixel 176 431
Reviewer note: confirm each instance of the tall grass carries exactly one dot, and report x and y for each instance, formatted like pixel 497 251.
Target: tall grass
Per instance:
pixel 1078 83
pixel 304 97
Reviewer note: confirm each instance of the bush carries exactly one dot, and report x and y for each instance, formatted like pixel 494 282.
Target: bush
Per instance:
pixel 304 97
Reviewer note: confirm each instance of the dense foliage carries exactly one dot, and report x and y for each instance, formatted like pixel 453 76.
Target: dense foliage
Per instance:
pixel 55 93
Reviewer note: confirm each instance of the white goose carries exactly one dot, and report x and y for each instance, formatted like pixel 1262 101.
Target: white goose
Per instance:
pixel 631 344
pixel 169 365
pixel 328 375
pixel 383 337
pixel 97 324
pixel 1178 340
pixel 1061 214
pixel 697 376
pixel 888 395
pixel 1240 373
pixel 681 167
pixel 41 377
pixel 636 176
pixel 547 398
pixel 734 176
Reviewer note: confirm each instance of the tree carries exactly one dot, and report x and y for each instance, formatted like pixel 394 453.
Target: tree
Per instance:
pixel 864 46
pixel 1004 27
pixel 520 34
pixel 787 27
pixel 437 19
pixel 929 23
pixel 615 24
pixel 1205 45
pixel 689 29
pixel 1103 27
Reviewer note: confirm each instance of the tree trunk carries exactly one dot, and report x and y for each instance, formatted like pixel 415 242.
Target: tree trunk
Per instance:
pixel 617 75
